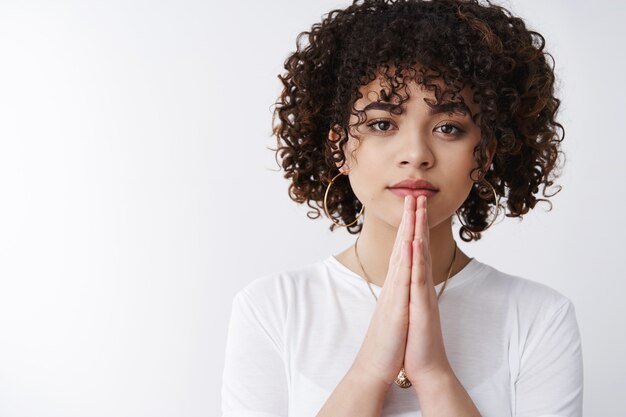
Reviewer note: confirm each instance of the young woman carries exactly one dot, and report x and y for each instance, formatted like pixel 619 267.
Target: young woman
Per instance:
pixel 395 117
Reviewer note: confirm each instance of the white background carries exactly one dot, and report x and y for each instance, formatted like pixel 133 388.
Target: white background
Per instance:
pixel 137 196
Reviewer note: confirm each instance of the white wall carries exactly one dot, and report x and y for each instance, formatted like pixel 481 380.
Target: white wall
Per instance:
pixel 137 196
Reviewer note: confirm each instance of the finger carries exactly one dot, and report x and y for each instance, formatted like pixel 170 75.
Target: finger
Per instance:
pixel 407 253
pixel 401 280
pixel 425 231
pixel 418 269
pixel 422 288
pixel 426 247
pixel 425 220
pixel 406 227
pixel 422 273
pixel 422 219
pixel 399 277
pixel 396 250
pixel 399 272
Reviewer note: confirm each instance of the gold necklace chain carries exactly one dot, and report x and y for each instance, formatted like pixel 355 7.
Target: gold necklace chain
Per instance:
pixel 369 283
pixel 401 380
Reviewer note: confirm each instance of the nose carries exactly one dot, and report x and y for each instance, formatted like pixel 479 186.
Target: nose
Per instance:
pixel 416 151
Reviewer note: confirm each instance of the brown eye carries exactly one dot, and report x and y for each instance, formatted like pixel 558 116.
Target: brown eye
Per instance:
pixel 383 125
pixel 450 129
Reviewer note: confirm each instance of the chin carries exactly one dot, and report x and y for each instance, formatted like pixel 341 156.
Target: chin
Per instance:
pixel 447 222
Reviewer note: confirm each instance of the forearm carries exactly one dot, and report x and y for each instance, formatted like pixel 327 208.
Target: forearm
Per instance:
pixel 443 395
pixel 356 395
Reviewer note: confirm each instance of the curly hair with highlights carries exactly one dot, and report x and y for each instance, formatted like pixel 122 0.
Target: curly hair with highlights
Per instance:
pixel 443 45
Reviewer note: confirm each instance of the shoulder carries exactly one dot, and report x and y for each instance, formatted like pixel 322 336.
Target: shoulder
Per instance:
pixel 279 288
pixel 278 282
pixel 521 286
pixel 525 295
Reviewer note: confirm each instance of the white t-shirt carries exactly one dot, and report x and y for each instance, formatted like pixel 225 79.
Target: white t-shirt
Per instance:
pixel 513 343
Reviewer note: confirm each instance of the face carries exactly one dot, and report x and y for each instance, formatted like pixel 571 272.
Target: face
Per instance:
pixel 425 142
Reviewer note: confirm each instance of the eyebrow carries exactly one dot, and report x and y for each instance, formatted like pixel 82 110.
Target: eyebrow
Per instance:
pixel 380 105
pixel 450 107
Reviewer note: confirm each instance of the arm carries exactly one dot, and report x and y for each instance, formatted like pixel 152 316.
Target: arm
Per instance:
pixel 443 395
pixel 356 395
pixel 550 380
pixel 254 379
pixel 363 390
pixel 438 390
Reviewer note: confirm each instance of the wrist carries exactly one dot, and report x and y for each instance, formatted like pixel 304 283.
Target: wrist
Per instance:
pixel 442 393
pixel 367 379
pixel 434 381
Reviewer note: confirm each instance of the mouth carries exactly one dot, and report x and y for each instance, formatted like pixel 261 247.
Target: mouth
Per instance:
pixel 415 184
pixel 414 187
pixel 404 191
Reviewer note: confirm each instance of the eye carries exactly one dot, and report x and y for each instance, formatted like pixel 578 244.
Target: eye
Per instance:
pixel 383 125
pixel 450 129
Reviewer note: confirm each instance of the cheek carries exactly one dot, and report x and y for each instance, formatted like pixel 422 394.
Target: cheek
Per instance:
pixel 352 152
pixel 470 164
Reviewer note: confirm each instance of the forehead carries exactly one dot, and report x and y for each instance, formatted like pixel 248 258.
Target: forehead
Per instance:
pixel 423 87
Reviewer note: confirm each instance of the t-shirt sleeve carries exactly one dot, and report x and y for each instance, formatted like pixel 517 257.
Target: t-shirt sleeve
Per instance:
pixel 550 382
pixel 254 382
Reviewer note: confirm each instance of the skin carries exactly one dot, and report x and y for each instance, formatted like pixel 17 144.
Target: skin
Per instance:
pixel 406 244
pixel 412 145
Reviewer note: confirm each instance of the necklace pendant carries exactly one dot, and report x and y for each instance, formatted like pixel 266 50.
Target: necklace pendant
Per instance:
pixel 402 381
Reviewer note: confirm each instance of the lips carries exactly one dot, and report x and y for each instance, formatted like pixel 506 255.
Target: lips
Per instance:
pixel 415 185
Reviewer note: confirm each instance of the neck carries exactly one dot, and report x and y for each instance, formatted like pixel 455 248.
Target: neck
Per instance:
pixel 376 244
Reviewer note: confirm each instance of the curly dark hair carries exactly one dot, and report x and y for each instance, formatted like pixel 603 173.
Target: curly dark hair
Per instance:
pixel 459 42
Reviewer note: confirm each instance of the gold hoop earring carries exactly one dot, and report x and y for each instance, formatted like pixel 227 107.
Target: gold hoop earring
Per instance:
pixel 497 200
pixel 326 205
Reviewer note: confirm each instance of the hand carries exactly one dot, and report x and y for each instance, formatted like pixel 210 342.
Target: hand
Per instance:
pixel 383 351
pixel 425 353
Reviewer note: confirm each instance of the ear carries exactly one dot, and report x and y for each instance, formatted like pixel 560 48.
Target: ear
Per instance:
pixel 333 138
